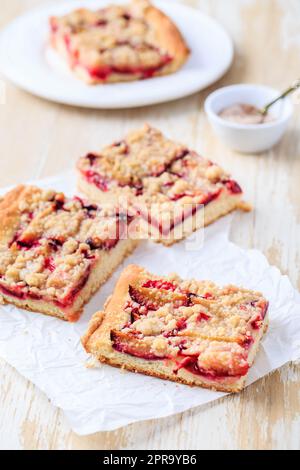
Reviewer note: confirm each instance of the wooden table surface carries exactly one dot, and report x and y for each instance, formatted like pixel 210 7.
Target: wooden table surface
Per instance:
pixel 39 138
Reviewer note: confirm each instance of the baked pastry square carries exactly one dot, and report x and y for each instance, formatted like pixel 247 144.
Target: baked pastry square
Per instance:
pixel 173 189
pixel 192 332
pixel 56 251
pixel 119 42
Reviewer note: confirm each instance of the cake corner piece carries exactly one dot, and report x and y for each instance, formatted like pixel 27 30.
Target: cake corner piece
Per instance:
pixel 191 332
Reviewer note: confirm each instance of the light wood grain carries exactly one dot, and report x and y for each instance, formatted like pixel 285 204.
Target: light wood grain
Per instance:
pixel 39 138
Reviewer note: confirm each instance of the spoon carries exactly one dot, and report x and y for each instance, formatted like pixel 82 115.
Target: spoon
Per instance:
pixel 265 109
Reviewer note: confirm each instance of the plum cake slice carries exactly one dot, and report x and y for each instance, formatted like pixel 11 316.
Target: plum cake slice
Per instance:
pixel 119 42
pixel 192 332
pixel 172 188
pixel 56 251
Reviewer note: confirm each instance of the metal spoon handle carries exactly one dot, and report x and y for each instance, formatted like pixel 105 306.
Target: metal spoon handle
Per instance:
pixel 290 90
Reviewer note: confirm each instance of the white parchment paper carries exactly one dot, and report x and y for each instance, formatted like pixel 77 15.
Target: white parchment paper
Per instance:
pixel 48 351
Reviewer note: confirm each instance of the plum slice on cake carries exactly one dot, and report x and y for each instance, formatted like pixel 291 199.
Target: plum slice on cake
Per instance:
pixel 188 331
pixel 56 251
pixel 172 188
pixel 119 42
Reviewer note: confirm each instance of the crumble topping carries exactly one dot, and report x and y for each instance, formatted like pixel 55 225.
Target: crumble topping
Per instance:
pixel 54 242
pixel 144 153
pixel 204 328
pixel 116 39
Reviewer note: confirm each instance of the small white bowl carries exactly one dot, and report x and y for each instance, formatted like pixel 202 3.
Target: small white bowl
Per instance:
pixel 248 138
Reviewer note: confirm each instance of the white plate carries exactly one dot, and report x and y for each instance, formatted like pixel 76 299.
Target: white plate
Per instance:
pixel 25 59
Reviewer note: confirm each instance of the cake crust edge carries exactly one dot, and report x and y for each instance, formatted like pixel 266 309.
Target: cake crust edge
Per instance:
pixel 169 37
